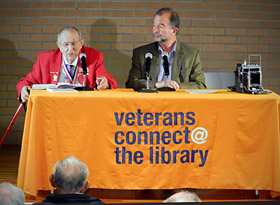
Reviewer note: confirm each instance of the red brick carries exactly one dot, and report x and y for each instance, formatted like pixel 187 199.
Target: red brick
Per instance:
pixel 136 22
pixel 42 37
pixel 213 47
pixel 64 4
pixel 202 39
pixel 29 13
pixel 4 5
pixel 191 31
pixel 270 8
pixel 258 48
pixel 225 23
pixel 225 39
pixel 213 64
pixel 156 5
pixel 111 5
pixel 125 29
pixel 120 13
pixel 133 5
pixel 8 13
pixel 236 15
pixel 226 7
pixel 236 31
pixel 216 15
pixel 30 29
pixel 42 4
pixel 258 32
pixel 225 56
pixel 146 30
pixel 207 56
pixel 41 21
pixel 109 38
pixel 9 29
pixel 109 22
pixel 213 31
pixel 192 14
pixel 53 13
pixel 98 13
pixel 202 6
pixel 30 45
pixel 64 21
pixel 179 5
pixel 236 48
pixel 249 7
pixel 247 40
pixel 75 13
pixel 203 23
pixel 144 13
pixel 88 5
pixel 20 5
pixel 274 41
pixel 19 21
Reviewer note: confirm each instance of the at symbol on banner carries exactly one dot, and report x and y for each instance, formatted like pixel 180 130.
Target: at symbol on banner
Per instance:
pixel 199 135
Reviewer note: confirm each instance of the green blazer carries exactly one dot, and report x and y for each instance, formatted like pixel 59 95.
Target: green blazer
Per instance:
pixel 186 70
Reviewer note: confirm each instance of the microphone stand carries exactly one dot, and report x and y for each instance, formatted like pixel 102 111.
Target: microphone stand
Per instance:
pixel 84 87
pixel 148 90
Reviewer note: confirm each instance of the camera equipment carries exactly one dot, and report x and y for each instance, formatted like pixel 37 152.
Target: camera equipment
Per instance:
pixel 248 77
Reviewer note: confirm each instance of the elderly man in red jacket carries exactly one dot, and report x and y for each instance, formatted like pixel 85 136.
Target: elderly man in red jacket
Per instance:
pixel 64 65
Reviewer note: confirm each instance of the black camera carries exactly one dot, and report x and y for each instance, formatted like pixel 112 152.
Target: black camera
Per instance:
pixel 248 77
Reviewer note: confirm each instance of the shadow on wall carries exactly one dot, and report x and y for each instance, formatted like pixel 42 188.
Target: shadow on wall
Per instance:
pixel 104 37
pixel 12 68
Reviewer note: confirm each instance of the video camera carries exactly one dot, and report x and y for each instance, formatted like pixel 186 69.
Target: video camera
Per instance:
pixel 248 77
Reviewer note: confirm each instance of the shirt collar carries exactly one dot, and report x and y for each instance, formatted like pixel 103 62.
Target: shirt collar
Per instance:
pixel 74 63
pixel 160 50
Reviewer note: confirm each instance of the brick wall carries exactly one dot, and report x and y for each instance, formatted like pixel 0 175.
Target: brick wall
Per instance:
pixel 225 31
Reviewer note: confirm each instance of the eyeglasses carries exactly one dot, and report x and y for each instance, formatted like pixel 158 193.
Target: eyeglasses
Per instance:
pixel 72 44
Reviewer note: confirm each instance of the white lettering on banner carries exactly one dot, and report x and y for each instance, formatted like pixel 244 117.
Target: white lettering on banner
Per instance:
pixel 159 152
pixel 199 135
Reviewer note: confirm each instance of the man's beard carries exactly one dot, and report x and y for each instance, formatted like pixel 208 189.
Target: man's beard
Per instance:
pixel 159 38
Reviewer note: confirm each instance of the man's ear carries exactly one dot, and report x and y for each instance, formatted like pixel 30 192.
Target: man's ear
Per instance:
pixel 51 178
pixel 85 187
pixel 175 31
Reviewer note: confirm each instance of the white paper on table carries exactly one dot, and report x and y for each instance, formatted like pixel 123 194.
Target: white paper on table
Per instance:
pixel 200 91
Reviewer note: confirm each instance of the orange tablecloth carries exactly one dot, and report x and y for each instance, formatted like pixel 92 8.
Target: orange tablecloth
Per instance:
pixel 166 140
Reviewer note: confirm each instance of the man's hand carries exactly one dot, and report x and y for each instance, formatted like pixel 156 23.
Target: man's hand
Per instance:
pixel 102 83
pixel 167 83
pixel 24 94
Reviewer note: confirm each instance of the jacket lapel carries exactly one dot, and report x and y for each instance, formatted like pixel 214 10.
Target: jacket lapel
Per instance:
pixel 55 67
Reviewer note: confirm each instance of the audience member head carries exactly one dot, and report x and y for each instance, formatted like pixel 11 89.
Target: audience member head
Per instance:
pixel 183 196
pixel 70 176
pixel 10 194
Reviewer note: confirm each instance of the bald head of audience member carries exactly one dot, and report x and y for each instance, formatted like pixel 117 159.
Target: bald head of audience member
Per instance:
pixel 183 196
pixel 70 176
pixel 10 194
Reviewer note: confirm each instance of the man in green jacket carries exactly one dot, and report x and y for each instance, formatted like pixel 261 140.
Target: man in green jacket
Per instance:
pixel 185 67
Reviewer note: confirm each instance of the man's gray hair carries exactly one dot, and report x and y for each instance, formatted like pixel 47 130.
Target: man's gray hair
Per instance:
pixel 67 28
pixel 10 194
pixel 183 196
pixel 70 174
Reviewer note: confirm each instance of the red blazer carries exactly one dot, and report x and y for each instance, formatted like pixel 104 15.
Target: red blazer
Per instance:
pixel 47 68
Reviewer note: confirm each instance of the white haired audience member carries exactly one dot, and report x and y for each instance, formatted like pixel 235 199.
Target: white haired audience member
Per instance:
pixel 183 196
pixel 10 194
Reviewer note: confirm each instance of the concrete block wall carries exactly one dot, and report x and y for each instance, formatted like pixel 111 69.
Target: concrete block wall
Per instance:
pixel 225 31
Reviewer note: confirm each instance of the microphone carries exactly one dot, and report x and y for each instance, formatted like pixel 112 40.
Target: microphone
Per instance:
pixel 83 63
pixel 85 72
pixel 165 63
pixel 166 72
pixel 148 57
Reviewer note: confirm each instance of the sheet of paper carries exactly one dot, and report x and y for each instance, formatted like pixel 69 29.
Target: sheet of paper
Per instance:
pixel 200 91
